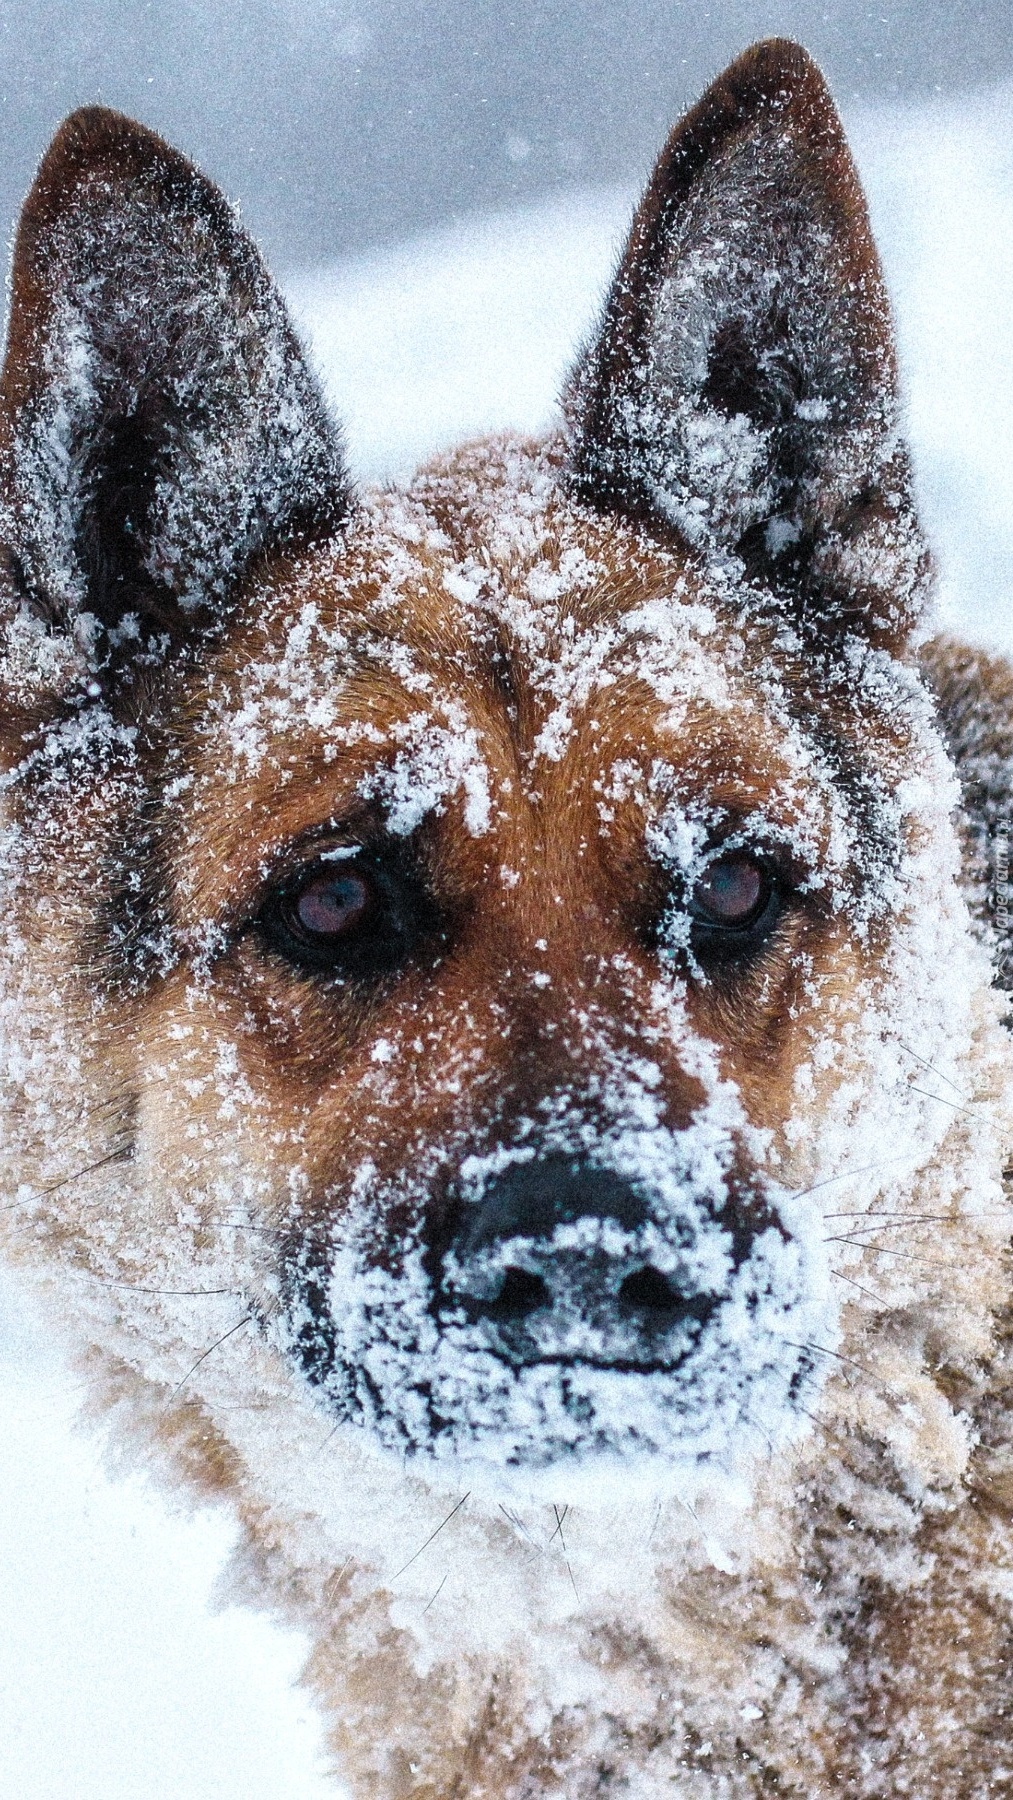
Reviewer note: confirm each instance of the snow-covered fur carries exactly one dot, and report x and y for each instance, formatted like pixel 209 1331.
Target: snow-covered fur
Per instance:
pixel 501 1078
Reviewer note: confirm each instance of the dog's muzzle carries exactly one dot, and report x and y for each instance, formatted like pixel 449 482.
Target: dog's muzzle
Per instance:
pixel 558 1260
pixel 647 1295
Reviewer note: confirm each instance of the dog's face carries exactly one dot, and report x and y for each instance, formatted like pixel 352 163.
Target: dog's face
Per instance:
pixel 473 912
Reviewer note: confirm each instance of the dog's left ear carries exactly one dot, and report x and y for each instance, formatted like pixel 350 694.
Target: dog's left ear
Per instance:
pixel 159 428
pixel 742 391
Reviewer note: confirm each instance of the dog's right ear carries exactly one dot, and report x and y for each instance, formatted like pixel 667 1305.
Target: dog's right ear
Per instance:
pixel 741 393
pixel 159 428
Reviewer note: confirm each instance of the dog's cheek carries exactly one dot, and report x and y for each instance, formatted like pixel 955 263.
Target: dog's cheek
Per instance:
pixel 767 1021
pixel 338 1049
pixel 293 1032
pixel 407 1108
pixel 318 1079
pixel 836 1002
pixel 223 1132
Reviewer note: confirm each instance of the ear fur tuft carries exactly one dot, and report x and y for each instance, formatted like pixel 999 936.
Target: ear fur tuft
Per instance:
pixel 742 390
pixel 159 428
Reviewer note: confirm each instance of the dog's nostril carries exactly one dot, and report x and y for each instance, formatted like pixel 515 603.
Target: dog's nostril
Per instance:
pixel 648 1290
pixel 522 1292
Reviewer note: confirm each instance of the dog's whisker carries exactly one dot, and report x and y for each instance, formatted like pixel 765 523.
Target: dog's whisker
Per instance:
pixel 254 1227
pixel 433 1534
pixel 334 1580
pixel 811 1416
pixel 519 1525
pixel 881 1162
pixel 924 1262
pixel 878 1298
pixel 938 1073
pixel 900 1223
pixel 132 1287
pixel 560 1516
pixel 768 1440
pixel 437 1594
pixel 321 1447
pixel 852 1362
pixel 65 1181
pixel 897 1212
pixel 219 1341
pixel 957 1106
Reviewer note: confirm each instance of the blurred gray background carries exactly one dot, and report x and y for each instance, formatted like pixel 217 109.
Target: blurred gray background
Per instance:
pixel 345 123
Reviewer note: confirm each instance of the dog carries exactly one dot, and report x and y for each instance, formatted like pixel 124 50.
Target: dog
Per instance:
pixel 503 1076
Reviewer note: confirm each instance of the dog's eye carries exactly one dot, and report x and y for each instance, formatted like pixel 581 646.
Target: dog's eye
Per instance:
pixel 360 917
pixel 733 908
pixel 732 893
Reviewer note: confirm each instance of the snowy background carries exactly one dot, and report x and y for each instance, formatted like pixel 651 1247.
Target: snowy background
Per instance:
pixel 120 1678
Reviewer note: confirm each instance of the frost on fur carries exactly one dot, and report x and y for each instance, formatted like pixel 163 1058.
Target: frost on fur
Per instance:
pixel 161 428
pixel 742 390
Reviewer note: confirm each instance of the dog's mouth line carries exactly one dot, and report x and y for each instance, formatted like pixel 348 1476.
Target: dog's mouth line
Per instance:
pixel 601 1365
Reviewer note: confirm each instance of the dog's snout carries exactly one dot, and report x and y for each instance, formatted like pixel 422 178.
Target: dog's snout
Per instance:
pixel 551 1259
pixel 529 1200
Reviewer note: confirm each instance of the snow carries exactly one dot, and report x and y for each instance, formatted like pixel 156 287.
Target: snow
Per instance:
pixel 469 330
pixel 94 1703
pixel 939 181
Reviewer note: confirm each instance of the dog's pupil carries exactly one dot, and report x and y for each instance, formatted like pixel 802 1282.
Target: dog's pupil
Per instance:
pixel 332 905
pixel 731 889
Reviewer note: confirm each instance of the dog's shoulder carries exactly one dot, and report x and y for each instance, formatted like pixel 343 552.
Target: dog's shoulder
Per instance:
pixel 974 693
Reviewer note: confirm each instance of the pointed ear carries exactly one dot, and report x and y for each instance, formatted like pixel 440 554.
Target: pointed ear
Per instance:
pixel 742 392
pixel 159 429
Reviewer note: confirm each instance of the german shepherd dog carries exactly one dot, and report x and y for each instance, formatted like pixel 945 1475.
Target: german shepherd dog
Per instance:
pixel 502 1073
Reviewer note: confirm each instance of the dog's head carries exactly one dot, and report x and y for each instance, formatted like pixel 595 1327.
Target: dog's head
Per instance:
pixel 463 927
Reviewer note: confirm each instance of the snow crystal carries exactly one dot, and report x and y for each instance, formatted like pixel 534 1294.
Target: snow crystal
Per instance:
pixel 438 762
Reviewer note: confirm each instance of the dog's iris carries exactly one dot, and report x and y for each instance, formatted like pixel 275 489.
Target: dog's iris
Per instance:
pixel 333 905
pixel 732 892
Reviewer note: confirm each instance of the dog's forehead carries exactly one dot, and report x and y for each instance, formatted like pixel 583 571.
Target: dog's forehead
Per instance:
pixel 495 599
pixel 496 643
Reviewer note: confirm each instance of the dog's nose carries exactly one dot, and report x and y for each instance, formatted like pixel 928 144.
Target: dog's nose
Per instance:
pixel 552 1257
pixel 530 1199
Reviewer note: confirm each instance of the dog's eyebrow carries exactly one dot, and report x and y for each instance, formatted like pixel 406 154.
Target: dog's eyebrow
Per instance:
pixel 850 770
